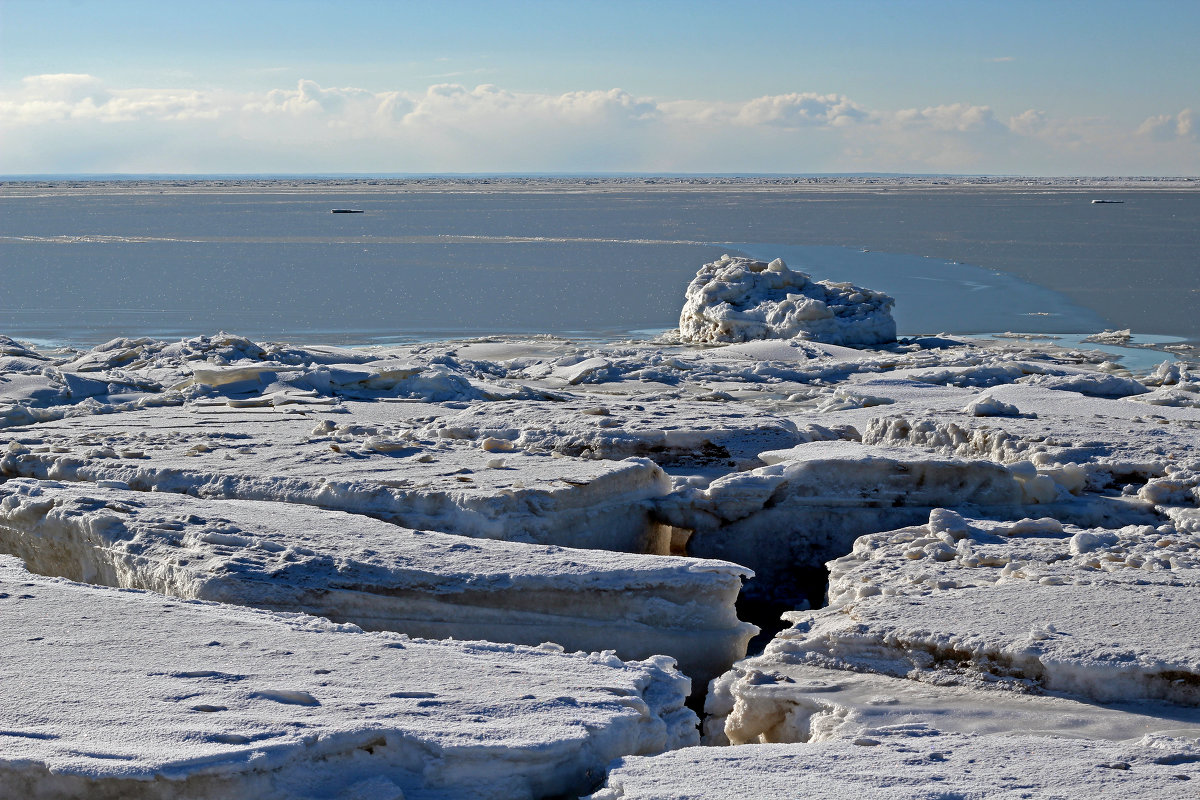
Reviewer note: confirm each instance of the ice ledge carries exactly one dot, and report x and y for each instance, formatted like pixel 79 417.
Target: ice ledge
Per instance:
pixel 201 700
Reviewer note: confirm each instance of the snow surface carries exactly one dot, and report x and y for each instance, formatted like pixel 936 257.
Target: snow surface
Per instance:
pixel 913 762
pixel 735 299
pixel 351 568
pixel 113 693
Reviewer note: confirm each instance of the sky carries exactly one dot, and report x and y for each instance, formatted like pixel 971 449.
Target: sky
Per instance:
pixel 1051 87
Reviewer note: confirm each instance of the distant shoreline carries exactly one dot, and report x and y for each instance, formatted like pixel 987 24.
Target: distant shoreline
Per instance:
pixel 23 185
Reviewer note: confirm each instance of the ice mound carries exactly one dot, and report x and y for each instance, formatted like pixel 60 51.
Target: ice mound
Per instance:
pixel 128 694
pixel 735 299
pixel 913 761
pixel 351 568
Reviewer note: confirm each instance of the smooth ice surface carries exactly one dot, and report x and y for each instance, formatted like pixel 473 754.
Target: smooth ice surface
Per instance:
pixel 128 694
pixel 738 299
pixel 351 568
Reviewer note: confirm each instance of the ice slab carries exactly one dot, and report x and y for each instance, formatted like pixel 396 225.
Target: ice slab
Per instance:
pixel 672 433
pixel 772 700
pixel 351 568
pixel 812 502
pixel 1099 614
pixel 128 694
pixel 907 762
pixel 368 462
pixel 738 299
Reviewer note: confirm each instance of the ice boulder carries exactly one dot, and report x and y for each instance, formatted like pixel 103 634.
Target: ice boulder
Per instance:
pixel 736 299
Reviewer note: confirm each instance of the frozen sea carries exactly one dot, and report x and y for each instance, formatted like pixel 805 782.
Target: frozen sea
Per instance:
pixel 83 261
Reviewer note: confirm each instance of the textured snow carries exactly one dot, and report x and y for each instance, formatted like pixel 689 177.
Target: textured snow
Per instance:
pixel 913 762
pixel 736 299
pixel 373 461
pixel 127 694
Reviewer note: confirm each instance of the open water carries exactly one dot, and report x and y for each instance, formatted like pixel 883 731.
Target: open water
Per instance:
pixel 80 265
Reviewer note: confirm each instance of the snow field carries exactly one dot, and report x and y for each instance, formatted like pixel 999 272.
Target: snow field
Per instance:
pixel 118 693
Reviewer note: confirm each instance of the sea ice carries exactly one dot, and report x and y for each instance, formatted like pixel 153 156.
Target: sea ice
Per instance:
pixel 372 461
pixel 913 762
pixel 1099 614
pixel 128 694
pixel 355 569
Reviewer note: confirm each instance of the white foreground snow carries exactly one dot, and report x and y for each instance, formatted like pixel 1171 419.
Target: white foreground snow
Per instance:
pixel 378 576
pixel 128 694
pixel 913 762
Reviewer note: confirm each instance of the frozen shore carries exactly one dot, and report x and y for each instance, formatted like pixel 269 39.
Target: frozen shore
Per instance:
pixel 1011 531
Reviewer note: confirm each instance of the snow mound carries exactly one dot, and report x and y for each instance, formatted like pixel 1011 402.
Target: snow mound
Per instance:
pixel 736 299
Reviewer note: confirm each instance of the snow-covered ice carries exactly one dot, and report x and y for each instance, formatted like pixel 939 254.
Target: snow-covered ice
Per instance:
pixel 113 693
pixel 351 568
pixel 374 460
pixel 913 762
pixel 1011 530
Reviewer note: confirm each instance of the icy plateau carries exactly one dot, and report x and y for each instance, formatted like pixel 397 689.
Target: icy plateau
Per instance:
pixel 537 567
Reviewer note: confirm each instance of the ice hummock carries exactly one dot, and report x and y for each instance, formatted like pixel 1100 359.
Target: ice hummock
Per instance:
pixel 737 299
pixel 129 694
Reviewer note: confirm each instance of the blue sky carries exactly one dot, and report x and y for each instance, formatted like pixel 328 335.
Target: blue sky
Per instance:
pixel 980 87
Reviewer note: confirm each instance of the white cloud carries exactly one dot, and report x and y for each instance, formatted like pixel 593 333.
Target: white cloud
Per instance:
pixel 1168 127
pixel 53 123
pixel 801 110
pixel 956 117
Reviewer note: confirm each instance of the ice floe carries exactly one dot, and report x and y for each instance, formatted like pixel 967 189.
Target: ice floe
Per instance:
pixel 351 568
pixel 129 694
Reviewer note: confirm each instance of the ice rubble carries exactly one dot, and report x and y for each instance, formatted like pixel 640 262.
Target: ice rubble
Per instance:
pixel 127 694
pixel 736 299
pixel 351 568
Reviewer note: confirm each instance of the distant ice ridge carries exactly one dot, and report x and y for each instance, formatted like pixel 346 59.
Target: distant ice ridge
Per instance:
pixel 735 299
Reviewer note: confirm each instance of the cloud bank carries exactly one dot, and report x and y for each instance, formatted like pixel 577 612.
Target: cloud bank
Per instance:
pixel 78 123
